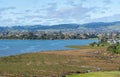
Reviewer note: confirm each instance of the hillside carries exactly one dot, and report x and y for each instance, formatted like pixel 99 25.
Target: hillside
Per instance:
pixel 94 26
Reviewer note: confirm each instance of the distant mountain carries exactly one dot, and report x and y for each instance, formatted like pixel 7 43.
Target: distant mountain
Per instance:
pixel 65 26
pixel 95 26
pixel 100 24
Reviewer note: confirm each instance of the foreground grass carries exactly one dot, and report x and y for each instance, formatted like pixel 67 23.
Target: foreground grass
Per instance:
pixel 98 74
pixel 38 64
pixel 57 63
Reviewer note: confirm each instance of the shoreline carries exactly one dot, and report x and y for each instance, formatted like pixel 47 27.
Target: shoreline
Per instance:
pixel 51 39
pixel 15 47
pixel 81 47
pixel 73 49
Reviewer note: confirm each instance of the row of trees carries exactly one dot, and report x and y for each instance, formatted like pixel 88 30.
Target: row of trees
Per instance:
pixel 31 35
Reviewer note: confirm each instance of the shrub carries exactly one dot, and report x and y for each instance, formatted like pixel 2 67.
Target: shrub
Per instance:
pixel 114 48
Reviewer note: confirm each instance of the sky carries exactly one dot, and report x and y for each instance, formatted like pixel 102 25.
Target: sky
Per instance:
pixel 51 12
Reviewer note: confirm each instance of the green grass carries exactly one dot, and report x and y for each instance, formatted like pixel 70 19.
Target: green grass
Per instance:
pixel 98 74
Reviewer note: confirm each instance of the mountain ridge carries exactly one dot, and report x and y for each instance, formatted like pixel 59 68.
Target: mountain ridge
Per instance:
pixel 92 26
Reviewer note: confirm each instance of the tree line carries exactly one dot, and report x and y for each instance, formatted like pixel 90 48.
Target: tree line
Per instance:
pixel 52 36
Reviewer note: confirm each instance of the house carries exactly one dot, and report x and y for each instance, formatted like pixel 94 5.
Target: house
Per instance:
pixel 113 41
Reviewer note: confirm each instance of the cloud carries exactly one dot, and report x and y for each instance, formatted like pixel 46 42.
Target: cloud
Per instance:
pixel 36 1
pixel 78 12
pixel 7 8
pixel 51 7
pixel 33 16
pixel 112 18
pixel 107 1
pixel 6 22
pixel 70 2
pixel 28 10
pixel 57 15
pixel 16 13
pixel 57 11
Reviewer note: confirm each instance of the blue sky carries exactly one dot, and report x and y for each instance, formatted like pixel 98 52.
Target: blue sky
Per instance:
pixel 50 12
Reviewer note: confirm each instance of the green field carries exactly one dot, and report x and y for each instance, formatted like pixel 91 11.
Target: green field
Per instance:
pixel 98 74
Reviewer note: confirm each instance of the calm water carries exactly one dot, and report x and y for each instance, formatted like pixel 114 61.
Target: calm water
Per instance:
pixel 13 47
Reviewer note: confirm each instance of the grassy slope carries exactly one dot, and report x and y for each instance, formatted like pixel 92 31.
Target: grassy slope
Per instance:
pixel 98 74
pixel 38 64
pixel 57 63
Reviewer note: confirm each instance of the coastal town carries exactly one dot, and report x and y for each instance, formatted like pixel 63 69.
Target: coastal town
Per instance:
pixel 111 37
